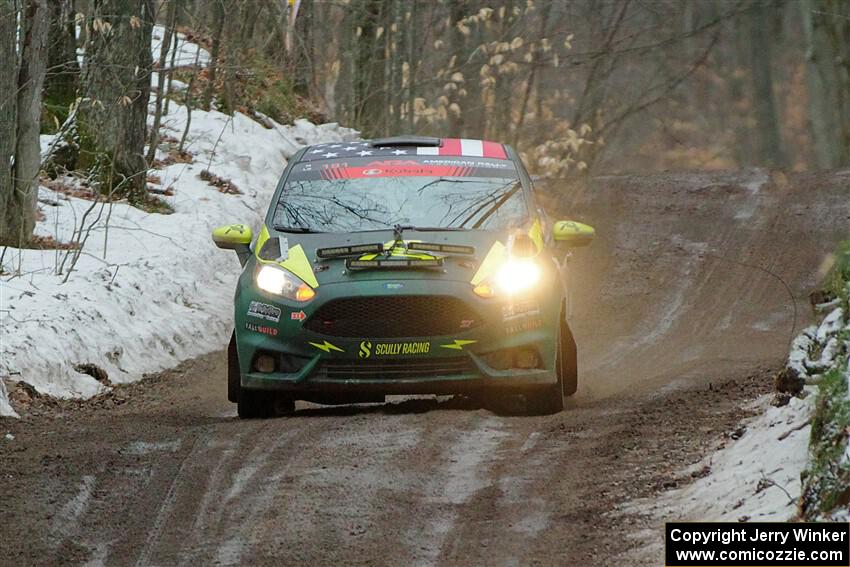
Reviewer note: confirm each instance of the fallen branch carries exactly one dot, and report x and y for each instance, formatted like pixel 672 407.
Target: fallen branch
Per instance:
pixel 793 429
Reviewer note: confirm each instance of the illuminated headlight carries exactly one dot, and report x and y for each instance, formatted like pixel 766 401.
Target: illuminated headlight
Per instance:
pixel 517 275
pixel 278 281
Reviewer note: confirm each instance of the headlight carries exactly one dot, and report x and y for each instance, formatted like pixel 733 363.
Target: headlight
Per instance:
pixel 514 277
pixel 278 281
pixel 517 275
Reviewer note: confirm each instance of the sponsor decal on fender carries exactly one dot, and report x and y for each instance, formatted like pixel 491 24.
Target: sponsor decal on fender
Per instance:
pixel 367 348
pixel 264 311
pixel 520 309
pixel 327 347
pixel 522 326
pixel 297 316
pixel 264 329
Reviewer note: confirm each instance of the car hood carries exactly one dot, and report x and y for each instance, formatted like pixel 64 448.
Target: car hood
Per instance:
pixel 301 253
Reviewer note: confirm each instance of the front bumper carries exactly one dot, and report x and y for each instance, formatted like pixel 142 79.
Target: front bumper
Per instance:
pixel 480 377
pixel 445 364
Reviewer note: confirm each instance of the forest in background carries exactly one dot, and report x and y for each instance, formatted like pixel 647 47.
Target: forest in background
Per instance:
pixel 579 87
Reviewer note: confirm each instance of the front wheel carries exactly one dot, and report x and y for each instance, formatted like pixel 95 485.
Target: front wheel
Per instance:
pixel 253 404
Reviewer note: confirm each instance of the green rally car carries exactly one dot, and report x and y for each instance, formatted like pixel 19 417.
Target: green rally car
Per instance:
pixel 404 265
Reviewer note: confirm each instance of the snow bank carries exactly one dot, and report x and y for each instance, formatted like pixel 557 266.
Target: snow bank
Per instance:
pixel 757 478
pixel 150 290
pixel 753 479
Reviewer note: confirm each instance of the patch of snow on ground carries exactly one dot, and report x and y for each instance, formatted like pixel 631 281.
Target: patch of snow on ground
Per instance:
pixel 757 477
pixel 759 178
pixel 150 290
pixel 753 479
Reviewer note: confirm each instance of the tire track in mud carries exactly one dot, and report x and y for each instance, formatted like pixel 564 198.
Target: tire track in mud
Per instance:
pixel 464 471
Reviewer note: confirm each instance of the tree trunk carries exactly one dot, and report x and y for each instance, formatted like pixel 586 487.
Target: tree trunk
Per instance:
pixel 457 49
pixel 21 209
pixel 63 71
pixel 218 23
pixel 820 82
pixel 769 148
pixel 116 84
pixel 8 115
pixel 161 77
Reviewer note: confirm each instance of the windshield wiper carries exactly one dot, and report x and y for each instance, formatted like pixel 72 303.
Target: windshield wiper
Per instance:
pixel 298 229
pixel 431 228
pixel 417 228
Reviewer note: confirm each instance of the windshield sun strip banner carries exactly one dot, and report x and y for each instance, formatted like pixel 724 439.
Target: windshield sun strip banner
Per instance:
pixel 445 248
pixel 340 251
pixel 342 168
pixel 393 264
pixel 449 147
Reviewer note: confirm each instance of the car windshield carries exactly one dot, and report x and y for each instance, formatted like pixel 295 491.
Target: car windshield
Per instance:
pixel 375 196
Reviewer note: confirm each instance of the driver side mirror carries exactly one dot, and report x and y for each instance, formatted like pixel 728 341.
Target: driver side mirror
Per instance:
pixel 235 237
pixel 573 234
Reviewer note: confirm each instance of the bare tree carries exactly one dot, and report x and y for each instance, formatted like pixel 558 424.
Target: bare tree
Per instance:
pixel 827 33
pixel 63 71
pixel 769 148
pixel 165 46
pixel 116 87
pixel 8 117
pixel 20 205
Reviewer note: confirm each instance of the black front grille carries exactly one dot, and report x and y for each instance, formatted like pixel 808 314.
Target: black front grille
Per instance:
pixel 393 317
pixel 395 369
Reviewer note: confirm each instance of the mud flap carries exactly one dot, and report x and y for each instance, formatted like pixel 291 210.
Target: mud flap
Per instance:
pixel 569 360
pixel 234 378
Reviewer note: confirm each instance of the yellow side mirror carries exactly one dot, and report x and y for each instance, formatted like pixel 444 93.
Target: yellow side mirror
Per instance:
pixel 572 233
pixel 232 236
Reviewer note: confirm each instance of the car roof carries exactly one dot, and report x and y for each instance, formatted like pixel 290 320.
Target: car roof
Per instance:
pixel 400 146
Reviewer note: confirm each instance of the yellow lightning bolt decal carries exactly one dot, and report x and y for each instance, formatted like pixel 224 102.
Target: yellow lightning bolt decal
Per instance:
pixel 326 346
pixel 458 344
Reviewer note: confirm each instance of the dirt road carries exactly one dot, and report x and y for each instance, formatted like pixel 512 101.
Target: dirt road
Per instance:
pixel 678 327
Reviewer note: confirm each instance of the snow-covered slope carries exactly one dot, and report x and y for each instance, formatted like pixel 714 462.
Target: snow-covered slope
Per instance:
pixel 149 290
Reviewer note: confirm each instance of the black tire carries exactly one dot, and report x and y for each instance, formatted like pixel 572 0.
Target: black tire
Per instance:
pixel 234 378
pixel 259 404
pixel 253 404
pixel 549 400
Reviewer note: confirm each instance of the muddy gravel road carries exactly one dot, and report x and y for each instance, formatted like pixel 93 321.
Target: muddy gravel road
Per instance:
pixel 678 326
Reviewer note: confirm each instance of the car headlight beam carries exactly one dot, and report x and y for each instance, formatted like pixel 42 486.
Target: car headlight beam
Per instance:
pixel 277 281
pixel 517 275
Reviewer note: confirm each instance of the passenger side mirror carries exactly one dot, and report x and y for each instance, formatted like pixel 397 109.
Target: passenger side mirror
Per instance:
pixel 573 234
pixel 235 237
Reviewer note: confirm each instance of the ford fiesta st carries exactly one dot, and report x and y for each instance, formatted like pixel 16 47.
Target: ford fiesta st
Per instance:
pixel 405 265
